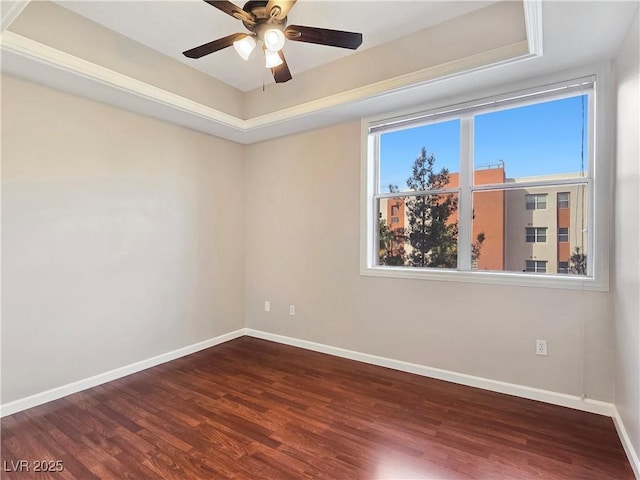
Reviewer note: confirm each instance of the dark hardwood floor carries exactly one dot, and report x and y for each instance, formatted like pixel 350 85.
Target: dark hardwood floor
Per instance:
pixel 259 410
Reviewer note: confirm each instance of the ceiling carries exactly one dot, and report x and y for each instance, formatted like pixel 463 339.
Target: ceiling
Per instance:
pixel 171 27
pixel 330 85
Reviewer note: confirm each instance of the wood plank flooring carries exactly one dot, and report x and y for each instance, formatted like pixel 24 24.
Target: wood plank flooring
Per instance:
pixel 252 409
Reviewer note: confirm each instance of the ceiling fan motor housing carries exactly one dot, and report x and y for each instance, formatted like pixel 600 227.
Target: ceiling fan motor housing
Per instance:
pixel 264 21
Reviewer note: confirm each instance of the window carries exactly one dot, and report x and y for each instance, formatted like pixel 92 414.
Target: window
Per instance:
pixel 536 235
pixel 563 267
pixel 563 199
pixel 472 177
pixel 536 201
pixel 563 234
pixel 536 266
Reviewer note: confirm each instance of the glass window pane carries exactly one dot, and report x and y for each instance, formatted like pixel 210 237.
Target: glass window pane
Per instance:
pixel 434 149
pixel 507 236
pixel 425 234
pixel 543 139
pixel 564 199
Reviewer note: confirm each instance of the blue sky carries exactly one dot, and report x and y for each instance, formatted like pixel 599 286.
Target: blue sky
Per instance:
pixel 539 139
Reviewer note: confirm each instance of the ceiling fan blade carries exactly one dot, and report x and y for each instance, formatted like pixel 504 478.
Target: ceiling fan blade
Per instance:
pixel 324 36
pixel 281 73
pixel 214 46
pixel 233 10
pixel 279 8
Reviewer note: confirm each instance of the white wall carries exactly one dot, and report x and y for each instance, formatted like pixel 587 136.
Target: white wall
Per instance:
pixel 626 278
pixel 302 248
pixel 121 238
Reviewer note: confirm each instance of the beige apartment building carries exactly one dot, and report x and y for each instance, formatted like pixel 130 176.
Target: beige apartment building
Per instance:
pixel 544 226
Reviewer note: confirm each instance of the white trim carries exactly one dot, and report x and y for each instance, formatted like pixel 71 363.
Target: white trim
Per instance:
pixel 522 391
pixel 632 455
pixel 408 81
pixel 26 58
pixel 44 54
pixel 598 278
pixel 533 25
pixel 12 13
pixel 64 390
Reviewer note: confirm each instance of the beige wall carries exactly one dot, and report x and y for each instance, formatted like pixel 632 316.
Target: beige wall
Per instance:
pixel 302 248
pixel 120 238
pixel 120 242
pixel 626 263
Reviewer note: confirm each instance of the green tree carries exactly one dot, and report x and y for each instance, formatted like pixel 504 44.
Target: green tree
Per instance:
pixel 578 262
pixel 391 245
pixel 433 237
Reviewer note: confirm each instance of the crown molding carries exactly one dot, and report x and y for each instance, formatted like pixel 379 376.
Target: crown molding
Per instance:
pixel 11 13
pixel 533 25
pixel 29 59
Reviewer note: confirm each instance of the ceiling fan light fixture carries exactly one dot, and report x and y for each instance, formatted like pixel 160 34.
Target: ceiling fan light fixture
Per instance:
pixel 274 39
pixel 245 46
pixel 272 59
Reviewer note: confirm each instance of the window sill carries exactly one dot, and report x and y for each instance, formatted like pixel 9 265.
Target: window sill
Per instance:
pixel 490 278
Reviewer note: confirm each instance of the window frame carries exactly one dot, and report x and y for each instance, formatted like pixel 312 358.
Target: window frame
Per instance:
pixel 599 158
pixel 566 204
pixel 536 202
pixel 563 237
pixel 538 233
pixel 535 266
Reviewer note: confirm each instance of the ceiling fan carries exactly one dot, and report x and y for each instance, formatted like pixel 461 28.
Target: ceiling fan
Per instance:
pixel 266 22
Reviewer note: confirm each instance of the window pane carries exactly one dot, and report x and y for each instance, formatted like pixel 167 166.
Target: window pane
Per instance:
pixel 424 235
pixel 563 234
pixel 507 236
pixel 564 199
pixel 548 138
pixel 435 147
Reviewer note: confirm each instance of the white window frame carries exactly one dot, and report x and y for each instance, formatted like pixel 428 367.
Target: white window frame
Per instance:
pixel 599 198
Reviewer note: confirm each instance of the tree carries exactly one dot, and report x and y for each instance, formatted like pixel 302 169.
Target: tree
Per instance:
pixel 392 239
pixel 578 262
pixel 431 233
pixel 391 245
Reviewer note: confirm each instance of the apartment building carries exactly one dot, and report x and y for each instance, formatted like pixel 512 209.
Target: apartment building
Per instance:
pixel 525 229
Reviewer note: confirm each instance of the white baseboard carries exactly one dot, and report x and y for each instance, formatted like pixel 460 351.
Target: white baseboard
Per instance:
pixel 555 398
pixel 64 390
pixel 632 455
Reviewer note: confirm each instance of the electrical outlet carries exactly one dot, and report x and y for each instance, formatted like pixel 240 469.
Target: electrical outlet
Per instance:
pixel 267 306
pixel 292 310
pixel 541 347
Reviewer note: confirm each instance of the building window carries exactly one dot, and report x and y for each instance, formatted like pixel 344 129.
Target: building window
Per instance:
pixel 563 199
pixel 536 234
pixel 536 201
pixel 563 267
pixel 563 234
pixel 461 184
pixel 395 220
pixel 536 266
